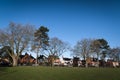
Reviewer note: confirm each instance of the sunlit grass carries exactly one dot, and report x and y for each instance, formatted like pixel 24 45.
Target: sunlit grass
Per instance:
pixel 58 73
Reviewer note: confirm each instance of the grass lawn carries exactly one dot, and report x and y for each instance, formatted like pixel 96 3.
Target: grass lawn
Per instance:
pixel 58 73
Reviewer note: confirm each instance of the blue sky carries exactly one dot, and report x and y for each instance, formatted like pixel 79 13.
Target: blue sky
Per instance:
pixel 69 20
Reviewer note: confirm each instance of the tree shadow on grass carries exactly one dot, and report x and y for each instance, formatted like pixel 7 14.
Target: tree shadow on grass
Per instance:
pixel 3 71
pixel 6 70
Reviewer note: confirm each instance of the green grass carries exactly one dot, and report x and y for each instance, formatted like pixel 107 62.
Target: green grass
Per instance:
pixel 58 73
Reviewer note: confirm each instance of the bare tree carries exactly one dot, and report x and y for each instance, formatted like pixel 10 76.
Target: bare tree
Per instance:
pixel 17 37
pixel 82 49
pixel 57 47
pixel 114 53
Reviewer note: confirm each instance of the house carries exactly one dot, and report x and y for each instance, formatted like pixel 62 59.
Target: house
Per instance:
pixel 66 61
pixel 42 60
pixel 57 62
pixel 92 62
pixel 112 63
pixel 75 61
pixel 54 60
pixel 5 58
pixel 5 62
pixel 26 59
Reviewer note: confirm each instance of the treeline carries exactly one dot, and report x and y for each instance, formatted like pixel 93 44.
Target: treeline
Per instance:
pixel 18 38
pixel 96 48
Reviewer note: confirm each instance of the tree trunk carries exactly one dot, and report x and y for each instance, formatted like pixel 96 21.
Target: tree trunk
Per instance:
pixel 86 64
pixel 15 60
pixel 97 65
pixel 97 60
pixel 87 61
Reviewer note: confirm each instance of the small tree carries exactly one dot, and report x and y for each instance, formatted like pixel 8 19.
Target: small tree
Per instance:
pixel 82 49
pixel 56 48
pixel 114 53
pixel 99 46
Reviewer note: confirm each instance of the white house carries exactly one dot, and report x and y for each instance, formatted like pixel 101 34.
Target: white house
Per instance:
pixel 66 61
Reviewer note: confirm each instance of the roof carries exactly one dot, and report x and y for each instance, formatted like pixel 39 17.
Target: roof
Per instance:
pixel 41 57
pixel 67 59
pixel 21 56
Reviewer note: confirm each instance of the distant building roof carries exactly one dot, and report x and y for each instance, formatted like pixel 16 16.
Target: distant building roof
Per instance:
pixel 41 57
pixel 67 59
pixel 21 56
